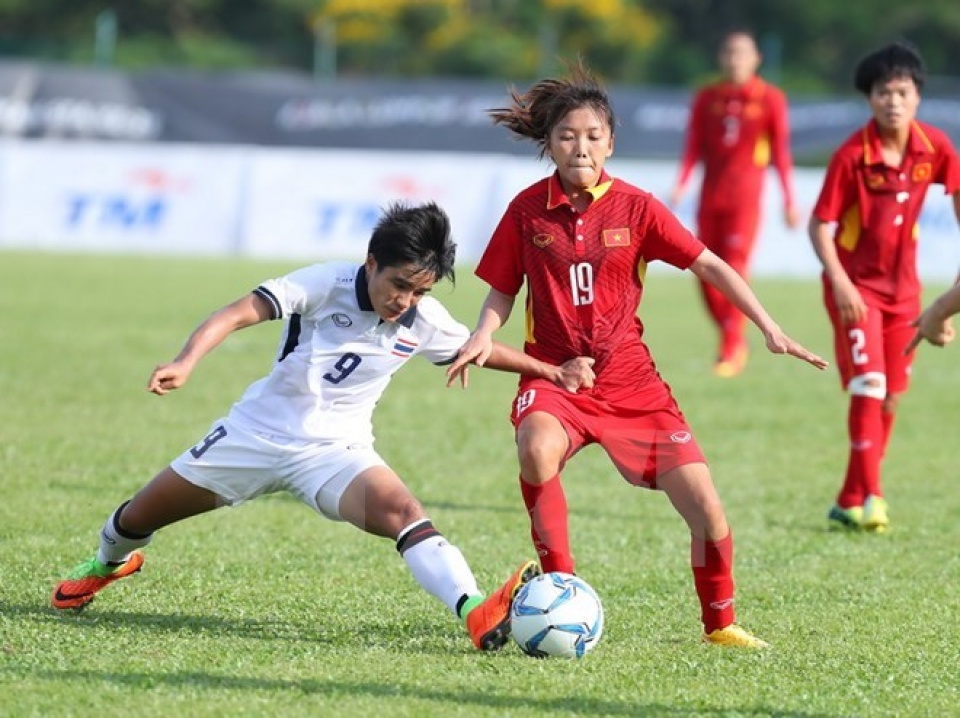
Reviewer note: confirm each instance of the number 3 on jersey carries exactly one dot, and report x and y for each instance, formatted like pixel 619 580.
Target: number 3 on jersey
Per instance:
pixel 581 283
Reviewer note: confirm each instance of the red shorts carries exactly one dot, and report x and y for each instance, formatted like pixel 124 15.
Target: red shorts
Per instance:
pixel 644 434
pixel 874 344
pixel 729 235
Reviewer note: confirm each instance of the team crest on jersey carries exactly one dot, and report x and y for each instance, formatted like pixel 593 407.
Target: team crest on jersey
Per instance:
pixel 542 240
pixel 616 237
pixel 875 180
pixel 752 110
pixel 342 320
pixel 921 172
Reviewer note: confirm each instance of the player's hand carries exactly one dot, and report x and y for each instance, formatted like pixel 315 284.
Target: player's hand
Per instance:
pixel 791 216
pixel 476 350
pixel 938 332
pixel 676 194
pixel 167 377
pixel 780 343
pixel 576 374
pixel 849 302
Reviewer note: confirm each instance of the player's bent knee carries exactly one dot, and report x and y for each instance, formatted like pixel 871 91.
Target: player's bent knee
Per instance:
pixel 872 384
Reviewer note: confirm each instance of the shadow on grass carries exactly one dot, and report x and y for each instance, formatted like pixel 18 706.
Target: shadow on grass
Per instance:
pixel 557 705
pixel 267 628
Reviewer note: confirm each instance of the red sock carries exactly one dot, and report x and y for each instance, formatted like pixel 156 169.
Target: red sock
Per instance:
pixel 865 427
pixel 888 418
pixel 729 320
pixel 547 506
pixel 712 563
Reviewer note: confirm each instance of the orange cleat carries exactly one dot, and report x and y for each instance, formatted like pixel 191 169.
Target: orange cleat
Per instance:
pixel 489 623
pixel 82 584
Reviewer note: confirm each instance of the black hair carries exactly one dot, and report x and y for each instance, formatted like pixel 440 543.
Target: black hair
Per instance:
pixel 535 113
pixel 417 235
pixel 898 59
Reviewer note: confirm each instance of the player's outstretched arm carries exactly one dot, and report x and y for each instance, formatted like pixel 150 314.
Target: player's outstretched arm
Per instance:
pixel 244 312
pixel 713 270
pixel 493 315
pixel 934 323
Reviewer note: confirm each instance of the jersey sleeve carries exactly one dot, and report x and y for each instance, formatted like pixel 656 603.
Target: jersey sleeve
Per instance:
pixel 297 292
pixel 666 239
pixel 839 184
pixel 443 336
pixel 948 168
pixel 501 265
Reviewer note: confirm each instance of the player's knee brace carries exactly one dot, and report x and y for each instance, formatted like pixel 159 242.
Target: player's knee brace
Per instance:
pixel 873 385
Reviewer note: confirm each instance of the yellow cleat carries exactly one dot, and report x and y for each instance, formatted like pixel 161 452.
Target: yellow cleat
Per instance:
pixel 734 635
pixel 729 367
pixel 875 517
pixel 845 519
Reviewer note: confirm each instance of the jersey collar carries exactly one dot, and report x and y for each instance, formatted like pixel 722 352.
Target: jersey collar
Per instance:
pixel 556 197
pixel 917 142
pixel 363 299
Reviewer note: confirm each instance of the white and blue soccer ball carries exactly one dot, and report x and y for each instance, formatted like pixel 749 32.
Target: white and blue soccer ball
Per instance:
pixel 556 614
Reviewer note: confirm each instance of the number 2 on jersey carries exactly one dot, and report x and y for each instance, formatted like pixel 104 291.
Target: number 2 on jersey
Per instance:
pixel 344 366
pixel 858 341
pixel 581 283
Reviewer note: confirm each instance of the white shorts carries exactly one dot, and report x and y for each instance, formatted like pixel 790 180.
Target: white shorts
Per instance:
pixel 238 465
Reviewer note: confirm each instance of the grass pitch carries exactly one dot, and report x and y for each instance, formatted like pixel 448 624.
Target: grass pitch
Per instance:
pixel 268 610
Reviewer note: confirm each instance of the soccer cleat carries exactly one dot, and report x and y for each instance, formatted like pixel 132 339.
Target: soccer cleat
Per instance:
pixel 82 584
pixel 875 517
pixel 734 635
pixel 845 519
pixel 489 623
pixel 730 366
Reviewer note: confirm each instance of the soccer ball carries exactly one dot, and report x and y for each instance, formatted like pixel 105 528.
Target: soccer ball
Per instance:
pixel 556 614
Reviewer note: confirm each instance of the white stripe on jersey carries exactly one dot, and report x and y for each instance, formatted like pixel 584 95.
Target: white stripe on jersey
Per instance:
pixel 337 356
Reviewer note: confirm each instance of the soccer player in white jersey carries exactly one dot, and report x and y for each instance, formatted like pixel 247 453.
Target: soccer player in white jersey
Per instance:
pixel 306 427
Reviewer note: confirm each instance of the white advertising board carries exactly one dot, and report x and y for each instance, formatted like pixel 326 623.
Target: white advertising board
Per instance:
pixel 149 198
pixel 323 204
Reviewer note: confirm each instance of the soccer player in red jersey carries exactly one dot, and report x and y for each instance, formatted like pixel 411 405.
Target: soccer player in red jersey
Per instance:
pixel 864 230
pixel 582 240
pixel 738 126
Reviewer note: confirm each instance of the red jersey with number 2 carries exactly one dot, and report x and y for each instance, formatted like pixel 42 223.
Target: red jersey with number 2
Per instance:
pixel 876 208
pixel 585 274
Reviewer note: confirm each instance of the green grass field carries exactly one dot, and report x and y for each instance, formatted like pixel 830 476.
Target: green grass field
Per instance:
pixel 268 610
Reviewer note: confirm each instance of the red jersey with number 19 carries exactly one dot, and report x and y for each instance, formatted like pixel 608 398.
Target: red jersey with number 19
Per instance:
pixel 585 273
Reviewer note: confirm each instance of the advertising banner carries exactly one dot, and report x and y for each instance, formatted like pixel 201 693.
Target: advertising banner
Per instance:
pixel 125 198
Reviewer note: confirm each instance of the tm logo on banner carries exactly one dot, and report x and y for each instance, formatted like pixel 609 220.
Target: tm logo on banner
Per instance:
pixel 115 211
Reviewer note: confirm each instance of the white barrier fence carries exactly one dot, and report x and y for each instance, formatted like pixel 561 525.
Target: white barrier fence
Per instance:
pixel 313 204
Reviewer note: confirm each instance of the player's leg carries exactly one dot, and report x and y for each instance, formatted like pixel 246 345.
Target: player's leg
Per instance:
pixel 897 332
pixel 226 467
pixel 731 237
pixel 167 498
pixel 861 361
pixel 691 490
pixel 546 437
pixel 377 501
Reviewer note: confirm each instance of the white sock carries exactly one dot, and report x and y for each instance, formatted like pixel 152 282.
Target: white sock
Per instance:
pixel 439 567
pixel 115 543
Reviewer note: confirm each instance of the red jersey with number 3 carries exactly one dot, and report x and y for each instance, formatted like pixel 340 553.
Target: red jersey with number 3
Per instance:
pixel 737 131
pixel 585 273
pixel 876 208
